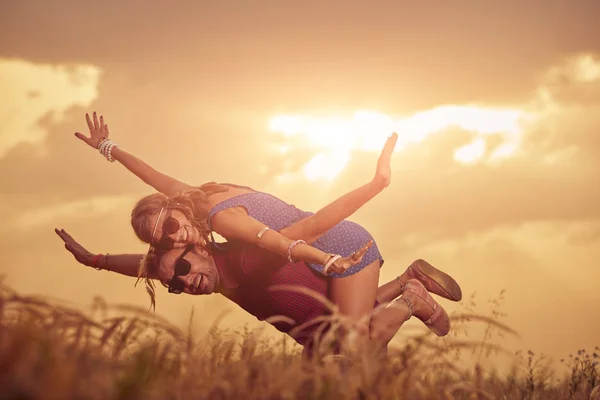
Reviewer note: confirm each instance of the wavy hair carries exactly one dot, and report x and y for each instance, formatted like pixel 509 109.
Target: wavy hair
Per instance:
pixel 191 203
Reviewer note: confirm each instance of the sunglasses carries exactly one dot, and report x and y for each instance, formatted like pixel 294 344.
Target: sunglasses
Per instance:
pixel 182 268
pixel 169 227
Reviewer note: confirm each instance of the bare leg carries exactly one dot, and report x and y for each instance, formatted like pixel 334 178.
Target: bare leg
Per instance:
pixel 386 321
pixel 389 291
pixel 391 314
pixel 355 297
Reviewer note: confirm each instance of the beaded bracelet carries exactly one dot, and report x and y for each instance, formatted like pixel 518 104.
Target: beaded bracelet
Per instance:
pixel 105 148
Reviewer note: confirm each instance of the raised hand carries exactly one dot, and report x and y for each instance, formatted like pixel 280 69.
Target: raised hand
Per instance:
pixel 340 265
pixel 79 252
pixel 98 131
pixel 383 173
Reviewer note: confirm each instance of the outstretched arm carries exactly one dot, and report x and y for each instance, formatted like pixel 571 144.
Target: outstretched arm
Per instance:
pixel 235 224
pixel 124 264
pixel 159 181
pixel 313 227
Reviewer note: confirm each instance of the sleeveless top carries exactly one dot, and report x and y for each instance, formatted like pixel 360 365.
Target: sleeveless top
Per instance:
pixel 344 238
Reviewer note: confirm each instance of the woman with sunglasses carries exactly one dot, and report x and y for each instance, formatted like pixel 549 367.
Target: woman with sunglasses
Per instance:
pixel 181 215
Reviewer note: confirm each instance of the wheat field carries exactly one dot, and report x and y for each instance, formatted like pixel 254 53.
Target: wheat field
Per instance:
pixel 49 350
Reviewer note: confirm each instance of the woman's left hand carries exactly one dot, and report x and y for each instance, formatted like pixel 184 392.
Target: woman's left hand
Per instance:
pixel 340 265
pixel 98 131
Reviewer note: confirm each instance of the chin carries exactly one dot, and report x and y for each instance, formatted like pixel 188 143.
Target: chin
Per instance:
pixel 210 289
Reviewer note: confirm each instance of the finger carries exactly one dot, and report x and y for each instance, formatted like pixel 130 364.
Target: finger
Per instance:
pixel 356 260
pixel 364 249
pixel 65 236
pixel 388 148
pixel 358 256
pixel 96 123
pixel 59 233
pixel 82 137
pixel 102 123
pixel 106 132
pixel 89 122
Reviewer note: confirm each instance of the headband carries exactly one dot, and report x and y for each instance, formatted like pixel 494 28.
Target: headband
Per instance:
pixel 156 223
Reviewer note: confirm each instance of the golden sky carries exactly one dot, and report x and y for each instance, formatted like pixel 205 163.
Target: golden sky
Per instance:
pixel 496 176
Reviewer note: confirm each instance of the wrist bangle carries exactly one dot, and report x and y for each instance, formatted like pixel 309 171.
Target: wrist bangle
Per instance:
pixel 262 231
pixel 327 257
pixel 95 261
pixel 106 262
pixel 329 263
pixel 294 243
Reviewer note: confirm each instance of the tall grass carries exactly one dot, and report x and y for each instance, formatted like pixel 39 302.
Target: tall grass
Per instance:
pixel 49 350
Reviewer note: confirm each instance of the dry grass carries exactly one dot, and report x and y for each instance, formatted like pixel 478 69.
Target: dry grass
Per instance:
pixel 50 351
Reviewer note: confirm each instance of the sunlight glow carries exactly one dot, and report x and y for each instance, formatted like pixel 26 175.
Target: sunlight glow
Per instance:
pixel 470 153
pixel 336 137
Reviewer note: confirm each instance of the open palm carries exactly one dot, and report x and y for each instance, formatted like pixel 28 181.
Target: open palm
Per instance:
pixel 80 253
pixel 340 265
pixel 383 173
pixel 98 131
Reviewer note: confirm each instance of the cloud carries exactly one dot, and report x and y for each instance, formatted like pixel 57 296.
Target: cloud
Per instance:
pixel 568 94
pixel 572 82
pixel 335 137
pixel 544 245
pixel 25 214
pixel 32 92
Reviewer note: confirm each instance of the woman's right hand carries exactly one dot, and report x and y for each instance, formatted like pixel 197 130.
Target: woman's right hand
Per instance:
pixel 78 251
pixel 340 265
pixel 98 131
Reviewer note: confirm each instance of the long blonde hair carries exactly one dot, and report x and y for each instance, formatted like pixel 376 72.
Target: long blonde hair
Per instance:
pixel 192 203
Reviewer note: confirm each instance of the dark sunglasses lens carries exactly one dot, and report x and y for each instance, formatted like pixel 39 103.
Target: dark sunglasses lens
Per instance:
pixel 176 286
pixel 182 267
pixel 170 226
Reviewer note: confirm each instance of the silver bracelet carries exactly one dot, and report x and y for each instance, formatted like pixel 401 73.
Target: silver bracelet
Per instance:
pixel 262 231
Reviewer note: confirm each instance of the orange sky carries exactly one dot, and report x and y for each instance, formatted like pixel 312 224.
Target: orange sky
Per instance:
pixel 496 178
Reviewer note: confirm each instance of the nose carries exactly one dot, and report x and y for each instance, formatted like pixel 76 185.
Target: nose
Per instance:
pixel 189 280
pixel 178 236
